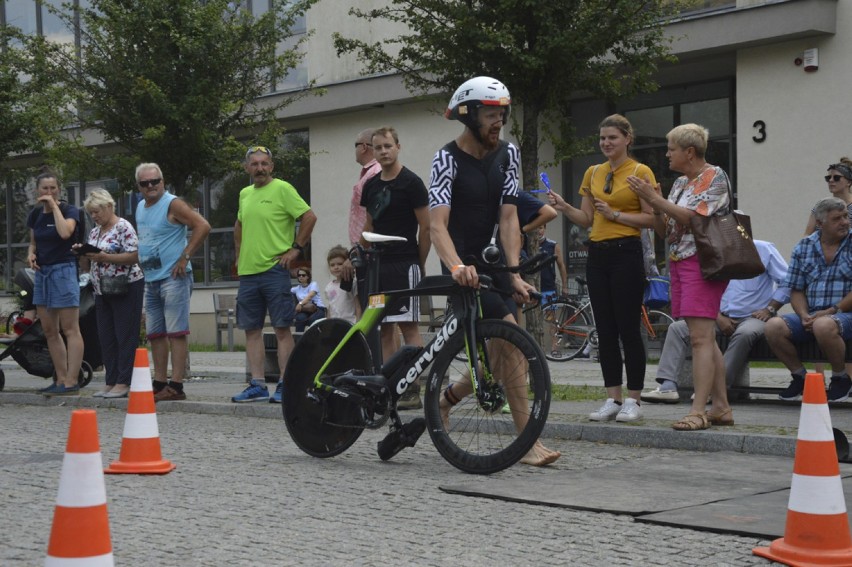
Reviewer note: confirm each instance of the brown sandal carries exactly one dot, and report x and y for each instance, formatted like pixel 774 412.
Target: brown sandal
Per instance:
pixel 692 422
pixel 720 419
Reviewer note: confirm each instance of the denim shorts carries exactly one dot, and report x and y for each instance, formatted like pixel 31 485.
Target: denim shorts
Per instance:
pixel 266 291
pixel 167 307
pixel 800 335
pixel 56 286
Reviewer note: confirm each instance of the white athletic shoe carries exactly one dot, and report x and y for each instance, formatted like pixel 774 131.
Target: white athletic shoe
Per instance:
pixel 630 411
pixel 607 412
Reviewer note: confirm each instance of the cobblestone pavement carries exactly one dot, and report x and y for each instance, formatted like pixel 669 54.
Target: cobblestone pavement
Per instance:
pixel 243 494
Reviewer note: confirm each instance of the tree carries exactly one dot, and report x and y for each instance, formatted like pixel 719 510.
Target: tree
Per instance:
pixel 31 100
pixel 176 81
pixel 542 50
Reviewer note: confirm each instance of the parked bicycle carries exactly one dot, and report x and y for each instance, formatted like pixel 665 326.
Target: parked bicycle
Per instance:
pixel 336 385
pixel 569 326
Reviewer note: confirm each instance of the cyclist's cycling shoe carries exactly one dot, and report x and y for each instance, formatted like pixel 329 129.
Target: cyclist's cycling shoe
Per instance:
pixel 399 439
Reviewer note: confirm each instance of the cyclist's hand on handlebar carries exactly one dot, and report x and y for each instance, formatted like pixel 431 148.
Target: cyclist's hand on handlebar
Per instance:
pixel 466 276
pixel 521 290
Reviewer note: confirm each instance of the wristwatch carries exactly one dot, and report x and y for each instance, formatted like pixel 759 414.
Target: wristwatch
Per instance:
pixel 186 257
pixel 615 215
pixel 298 247
pixel 772 311
pixel 837 308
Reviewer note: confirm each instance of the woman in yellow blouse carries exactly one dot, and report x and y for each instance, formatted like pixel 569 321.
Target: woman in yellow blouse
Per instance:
pixel 615 268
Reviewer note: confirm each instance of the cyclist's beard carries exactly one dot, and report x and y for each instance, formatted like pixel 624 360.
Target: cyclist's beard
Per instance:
pixel 491 138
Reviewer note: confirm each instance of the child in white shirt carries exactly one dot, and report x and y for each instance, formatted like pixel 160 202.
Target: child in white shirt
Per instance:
pixel 342 303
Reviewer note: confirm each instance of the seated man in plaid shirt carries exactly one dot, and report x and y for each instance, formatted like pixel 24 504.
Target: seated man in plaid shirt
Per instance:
pixel 820 280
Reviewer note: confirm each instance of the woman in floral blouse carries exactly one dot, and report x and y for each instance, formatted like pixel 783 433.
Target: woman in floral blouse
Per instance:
pixel 118 307
pixel 701 190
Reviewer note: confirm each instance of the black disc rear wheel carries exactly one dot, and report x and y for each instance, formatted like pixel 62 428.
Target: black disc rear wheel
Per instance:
pixel 327 427
pixel 490 435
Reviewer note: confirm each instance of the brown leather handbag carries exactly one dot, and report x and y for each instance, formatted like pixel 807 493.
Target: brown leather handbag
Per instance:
pixel 726 250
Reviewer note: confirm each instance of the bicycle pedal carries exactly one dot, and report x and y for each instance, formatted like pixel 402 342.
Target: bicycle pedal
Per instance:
pixel 399 439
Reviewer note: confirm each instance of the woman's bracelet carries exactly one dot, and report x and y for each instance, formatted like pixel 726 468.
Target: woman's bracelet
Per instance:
pixel 456 268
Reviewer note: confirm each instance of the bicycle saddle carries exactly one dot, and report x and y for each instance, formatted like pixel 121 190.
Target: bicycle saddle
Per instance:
pixel 376 237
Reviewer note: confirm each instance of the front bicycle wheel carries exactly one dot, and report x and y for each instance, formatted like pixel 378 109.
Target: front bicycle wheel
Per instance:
pixel 654 331
pixel 322 425
pixel 567 329
pixel 486 437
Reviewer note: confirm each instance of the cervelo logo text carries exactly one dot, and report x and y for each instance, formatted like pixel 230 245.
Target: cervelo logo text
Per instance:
pixel 448 330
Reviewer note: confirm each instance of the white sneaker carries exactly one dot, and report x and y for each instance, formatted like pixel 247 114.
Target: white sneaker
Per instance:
pixel 658 396
pixel 630 411
pixel 607 412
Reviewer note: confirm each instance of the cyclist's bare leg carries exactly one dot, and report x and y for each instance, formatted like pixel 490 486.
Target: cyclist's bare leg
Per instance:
pixel 511 368
pixel 455 392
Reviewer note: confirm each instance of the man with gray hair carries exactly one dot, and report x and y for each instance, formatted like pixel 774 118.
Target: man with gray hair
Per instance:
pixel 163 221
pixel 821 296
pixel 267 248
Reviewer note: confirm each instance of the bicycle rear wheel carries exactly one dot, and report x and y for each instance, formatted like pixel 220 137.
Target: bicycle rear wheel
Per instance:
pixel 479 438
pixel 327 427
pixel 566 330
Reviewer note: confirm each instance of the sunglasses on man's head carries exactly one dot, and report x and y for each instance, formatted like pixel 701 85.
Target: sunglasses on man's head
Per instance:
pixel 608 183
pixel 150 182
pixel 834 178
pixel 256 149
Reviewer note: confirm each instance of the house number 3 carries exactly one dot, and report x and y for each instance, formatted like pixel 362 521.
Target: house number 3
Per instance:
pixel 760 126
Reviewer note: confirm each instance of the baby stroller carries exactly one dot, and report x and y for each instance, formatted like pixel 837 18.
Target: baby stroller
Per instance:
pixel 29 349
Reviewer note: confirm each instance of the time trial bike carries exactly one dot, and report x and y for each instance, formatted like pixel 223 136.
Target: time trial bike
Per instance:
pixel 336 385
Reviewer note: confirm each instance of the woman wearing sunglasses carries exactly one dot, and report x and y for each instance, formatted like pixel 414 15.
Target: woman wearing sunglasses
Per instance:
pixel 615 268
pixel 309 305
pixel 839 181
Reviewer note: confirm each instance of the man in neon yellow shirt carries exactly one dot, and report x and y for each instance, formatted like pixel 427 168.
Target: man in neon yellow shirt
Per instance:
pixel 266 248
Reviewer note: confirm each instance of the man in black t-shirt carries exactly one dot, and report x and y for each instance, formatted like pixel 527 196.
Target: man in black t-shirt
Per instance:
pixel 473 186
pixel 397 205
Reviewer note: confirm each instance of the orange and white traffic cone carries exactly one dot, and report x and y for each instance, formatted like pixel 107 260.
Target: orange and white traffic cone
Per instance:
pixel 81 501
pixel 140 445
pixel 817 529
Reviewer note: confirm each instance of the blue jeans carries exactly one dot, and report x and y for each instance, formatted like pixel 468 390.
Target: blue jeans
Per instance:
pixel 269 290
pixel 167 307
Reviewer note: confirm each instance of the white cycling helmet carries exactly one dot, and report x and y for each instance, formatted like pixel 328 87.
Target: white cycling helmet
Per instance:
pixel 473 94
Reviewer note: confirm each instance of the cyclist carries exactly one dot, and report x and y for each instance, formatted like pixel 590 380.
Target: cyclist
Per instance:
pixel 473 186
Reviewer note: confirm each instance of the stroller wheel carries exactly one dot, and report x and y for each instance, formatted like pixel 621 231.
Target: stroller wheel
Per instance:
pixel 2 380
pixel 86 373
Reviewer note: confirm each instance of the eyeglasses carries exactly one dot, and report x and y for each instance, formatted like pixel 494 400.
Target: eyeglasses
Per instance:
pixel 302 275
pixel 834 178
pixel 608 183
pixel 256 149
pixel 365 143
pixel 150 182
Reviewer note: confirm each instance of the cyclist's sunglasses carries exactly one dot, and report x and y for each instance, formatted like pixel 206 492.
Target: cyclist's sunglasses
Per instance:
pixel 608 183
